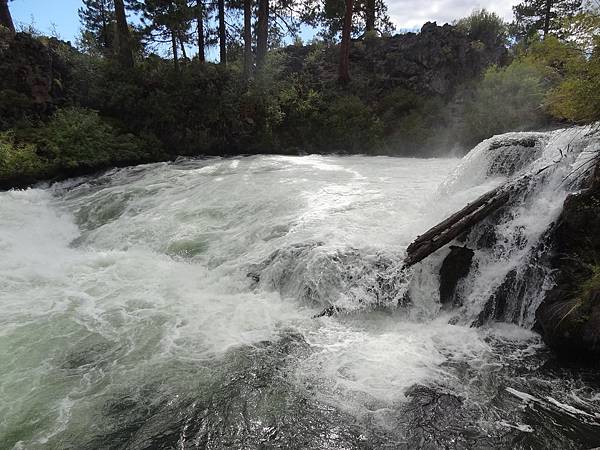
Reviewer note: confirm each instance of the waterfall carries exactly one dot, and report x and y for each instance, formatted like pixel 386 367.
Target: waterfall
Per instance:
pixel 173 305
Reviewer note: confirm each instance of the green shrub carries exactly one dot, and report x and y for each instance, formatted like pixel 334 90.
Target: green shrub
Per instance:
pixel 18 160
pixel 486 27
pixel 509 98
pixel 577 97
pixel 351 126
pixel 78 137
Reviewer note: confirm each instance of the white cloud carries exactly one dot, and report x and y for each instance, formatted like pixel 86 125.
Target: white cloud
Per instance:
pixel 412 14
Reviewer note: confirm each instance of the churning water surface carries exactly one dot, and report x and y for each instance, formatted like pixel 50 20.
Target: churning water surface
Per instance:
pixel 171 306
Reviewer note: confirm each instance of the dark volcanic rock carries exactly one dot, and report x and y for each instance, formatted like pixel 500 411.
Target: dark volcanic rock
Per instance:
pixel 433 62
pixel 35 76
pixel 569 317
pixel 455 267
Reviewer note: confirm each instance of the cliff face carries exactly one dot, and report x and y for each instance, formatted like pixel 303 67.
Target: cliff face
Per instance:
pixel 34 77
pixel 569 317
pixel 433 62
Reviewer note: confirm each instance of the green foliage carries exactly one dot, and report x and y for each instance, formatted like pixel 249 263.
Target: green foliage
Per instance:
pixel 577 97
pixel 555 58
pixel 77 137
pixel 531 17
pixel 98 22
pixel 18 161
pixel 486 27
pixel 74 141
pixel 350 126
pixel 507 98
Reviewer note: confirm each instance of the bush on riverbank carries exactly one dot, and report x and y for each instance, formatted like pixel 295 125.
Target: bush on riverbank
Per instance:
pixel 74 141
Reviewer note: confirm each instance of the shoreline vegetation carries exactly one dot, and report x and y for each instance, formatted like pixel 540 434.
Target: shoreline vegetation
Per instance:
pixel 67 111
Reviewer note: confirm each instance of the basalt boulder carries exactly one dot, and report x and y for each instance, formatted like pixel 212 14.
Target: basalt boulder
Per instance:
pixel 569 317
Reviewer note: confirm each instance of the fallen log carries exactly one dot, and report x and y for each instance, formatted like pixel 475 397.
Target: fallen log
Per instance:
pixel 461 221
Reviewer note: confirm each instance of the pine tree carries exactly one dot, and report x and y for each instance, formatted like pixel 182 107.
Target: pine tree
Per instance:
pixel 98 21
pixel 123 36
pixel 222 34
pixel 546 16
pixel 344 69
pixel 247 38
pixel 5 17
pixel 170 21
pixel 200 13
pixel 262 33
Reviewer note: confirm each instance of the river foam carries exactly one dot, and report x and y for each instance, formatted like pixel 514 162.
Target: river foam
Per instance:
pixel 167 304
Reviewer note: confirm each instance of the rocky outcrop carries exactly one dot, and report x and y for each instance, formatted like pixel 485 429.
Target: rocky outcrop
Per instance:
pixel 455 267
pixel 569 317
pixel 35 77
pixel 433 62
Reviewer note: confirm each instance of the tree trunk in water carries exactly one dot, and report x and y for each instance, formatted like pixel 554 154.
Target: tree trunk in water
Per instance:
pixel 222 37
pixel 200 22
pixel 5 17
pixel 262 33
pixel 175 54
pixel 547 13
pixel 123 36
pixel 370 16
pixel 465 219
pixel 247 38
pixel 344 70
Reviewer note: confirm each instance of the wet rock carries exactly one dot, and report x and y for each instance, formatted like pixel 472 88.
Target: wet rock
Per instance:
pixel 436 419
pixel 569 317
pixel 455 267
pixel 520 290
pixel 510 154
pixel 314 273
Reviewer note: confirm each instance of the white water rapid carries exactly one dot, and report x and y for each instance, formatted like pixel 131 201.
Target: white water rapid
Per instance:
pixel 171 306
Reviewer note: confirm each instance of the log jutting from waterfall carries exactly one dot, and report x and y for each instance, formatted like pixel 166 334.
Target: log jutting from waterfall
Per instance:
pixel 457 223
pixel 463 220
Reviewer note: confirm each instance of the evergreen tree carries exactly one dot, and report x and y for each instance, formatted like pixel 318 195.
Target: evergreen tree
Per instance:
pixel 200 16
pixel 222 33
pixel 547 16
pixel 98 21
pixel 5 17
pixel 247 38
pixel 344 69
pixel 262 32
pixel 123 35
pixel 170 21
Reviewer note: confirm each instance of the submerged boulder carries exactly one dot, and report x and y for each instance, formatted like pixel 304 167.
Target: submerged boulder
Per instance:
pixel 455 267
pixel 569 317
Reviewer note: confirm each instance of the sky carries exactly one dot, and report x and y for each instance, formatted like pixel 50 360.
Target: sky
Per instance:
pixel 61 15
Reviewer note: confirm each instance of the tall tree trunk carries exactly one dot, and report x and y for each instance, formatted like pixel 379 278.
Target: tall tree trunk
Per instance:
pixel 262 33
pixel 182 44
pixel 344 70
pixel 247 38
pixel 105 28
pixel 200 23
pixel 547 13
pixel 370 15
pixel 123 35
pixel 5 17
pixel 175 51
pixel 222 35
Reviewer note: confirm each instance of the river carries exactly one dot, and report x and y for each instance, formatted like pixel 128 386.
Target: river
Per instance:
pixel 172 305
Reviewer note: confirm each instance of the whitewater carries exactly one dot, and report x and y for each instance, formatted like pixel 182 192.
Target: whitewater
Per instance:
pixel 174 305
